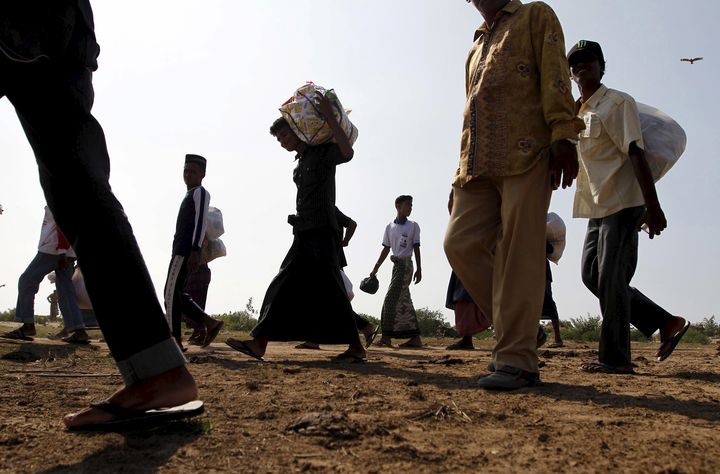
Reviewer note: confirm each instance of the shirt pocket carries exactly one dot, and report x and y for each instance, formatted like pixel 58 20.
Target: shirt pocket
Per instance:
pixel 593 126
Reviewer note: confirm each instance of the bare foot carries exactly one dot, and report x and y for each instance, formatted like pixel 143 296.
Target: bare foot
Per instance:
pixel 413 342
pixel 356 350
pixel 172 388
pixel 671 328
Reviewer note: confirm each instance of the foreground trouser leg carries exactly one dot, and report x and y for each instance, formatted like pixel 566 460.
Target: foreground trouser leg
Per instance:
pixel 53 105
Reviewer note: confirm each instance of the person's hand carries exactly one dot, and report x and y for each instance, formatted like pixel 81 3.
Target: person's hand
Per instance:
pixel 451 201
pixel 325 106
pixel 418 276
pixel 654 221
pixel 345 243
pixel 563 163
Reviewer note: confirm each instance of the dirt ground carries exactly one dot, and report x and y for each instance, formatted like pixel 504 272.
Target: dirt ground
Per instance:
pixel 401 411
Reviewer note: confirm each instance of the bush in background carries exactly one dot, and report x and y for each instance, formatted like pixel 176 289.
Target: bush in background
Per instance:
pixel 433 324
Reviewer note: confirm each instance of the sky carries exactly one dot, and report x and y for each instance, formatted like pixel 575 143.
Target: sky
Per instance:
pixel 208 77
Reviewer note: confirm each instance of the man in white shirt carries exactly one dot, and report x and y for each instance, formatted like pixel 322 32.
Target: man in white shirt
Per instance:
pixel 615 190
pixel 54 254
pixel 402 236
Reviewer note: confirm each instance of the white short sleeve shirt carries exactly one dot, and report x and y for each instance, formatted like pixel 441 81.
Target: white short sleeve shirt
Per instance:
pixel 606 180
pixel 401 238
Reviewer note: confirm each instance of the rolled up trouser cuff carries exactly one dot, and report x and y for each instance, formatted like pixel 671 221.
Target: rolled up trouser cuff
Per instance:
pixel 154 360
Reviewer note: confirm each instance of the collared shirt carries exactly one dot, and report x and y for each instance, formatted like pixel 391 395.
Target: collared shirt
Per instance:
pixel 314 177
pixel 402 237
pixel 519 99
pixel 606 181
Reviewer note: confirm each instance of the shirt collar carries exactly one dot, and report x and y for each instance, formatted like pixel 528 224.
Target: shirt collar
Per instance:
pixel 510 7
pixel 400 221
pixel 595 98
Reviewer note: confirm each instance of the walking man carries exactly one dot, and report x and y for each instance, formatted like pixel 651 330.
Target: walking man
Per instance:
pixel 516 147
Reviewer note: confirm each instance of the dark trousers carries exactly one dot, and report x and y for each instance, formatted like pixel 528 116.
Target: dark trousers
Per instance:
pixel 53 103
pixel 608 264
pixel 178 302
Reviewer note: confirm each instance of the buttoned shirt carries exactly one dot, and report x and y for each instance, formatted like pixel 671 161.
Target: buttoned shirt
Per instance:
pixel 518 93
pixel 606 180
pixel 314 177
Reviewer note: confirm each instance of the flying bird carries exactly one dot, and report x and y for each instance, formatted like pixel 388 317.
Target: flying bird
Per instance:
pixel 691 60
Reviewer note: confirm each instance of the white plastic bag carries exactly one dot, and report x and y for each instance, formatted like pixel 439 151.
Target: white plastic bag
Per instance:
pixel 302 112
pixel 348 286
pixel 214 223
pixel 664 139
pixel 555 234
pixel 81 294
pixel 213 249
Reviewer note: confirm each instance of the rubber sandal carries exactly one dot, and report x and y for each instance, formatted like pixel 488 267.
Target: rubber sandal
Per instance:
pixel 241 346
pixel 126 419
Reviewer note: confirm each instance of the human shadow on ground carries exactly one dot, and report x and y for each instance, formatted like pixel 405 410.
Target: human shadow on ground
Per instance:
pixel 142 451
pixel 711 377
pixel 661 404
pixel 31 351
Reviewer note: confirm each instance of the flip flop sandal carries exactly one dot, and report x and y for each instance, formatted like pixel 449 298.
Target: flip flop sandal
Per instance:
pixel 241 346
pixel 75 339
pixel 212 334
pixel 126 419
pixel 459 346
pixel 555 345
pixel 371 338
pixel 17 334
pixel 667 347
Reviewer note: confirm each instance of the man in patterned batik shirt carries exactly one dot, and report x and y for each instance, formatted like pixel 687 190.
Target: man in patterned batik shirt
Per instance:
pixel 516 147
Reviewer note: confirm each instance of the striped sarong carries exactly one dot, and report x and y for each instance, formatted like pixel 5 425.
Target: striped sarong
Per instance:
pixel 398 314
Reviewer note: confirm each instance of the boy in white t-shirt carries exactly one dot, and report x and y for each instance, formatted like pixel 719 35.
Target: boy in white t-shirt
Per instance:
pixel 615 190
pixel 402 236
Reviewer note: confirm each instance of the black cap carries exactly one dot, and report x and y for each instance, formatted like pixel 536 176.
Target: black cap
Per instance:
pixel 197 159
pixel 589 46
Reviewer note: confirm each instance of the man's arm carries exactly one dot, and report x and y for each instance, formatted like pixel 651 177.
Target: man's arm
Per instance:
pixel 349 232
pixel 558 106
pixel 201 199
pixel 383 255
pixel 418 272
pixel 338 134
pixel 654 216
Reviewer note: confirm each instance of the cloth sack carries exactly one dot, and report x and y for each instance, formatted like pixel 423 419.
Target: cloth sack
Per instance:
pixel 303 115
pixel 555 234
pixel 664 139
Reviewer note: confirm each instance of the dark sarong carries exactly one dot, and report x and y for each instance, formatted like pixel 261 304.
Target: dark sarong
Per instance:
pixel 307 301
pixel 398 314
pixel 549 310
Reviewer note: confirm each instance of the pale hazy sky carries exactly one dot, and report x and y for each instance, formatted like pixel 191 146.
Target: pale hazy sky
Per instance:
pixel 207 77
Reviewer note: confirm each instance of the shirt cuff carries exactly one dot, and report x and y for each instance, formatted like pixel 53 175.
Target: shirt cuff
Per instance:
pixel 567 130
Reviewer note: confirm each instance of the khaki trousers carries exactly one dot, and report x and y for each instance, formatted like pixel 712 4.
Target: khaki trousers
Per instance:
pixel 495 243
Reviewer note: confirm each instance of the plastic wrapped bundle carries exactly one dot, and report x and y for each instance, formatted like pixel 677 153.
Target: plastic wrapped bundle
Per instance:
pixel 303 114
pixel 555 234
pixel 215 227
pixel 664 139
